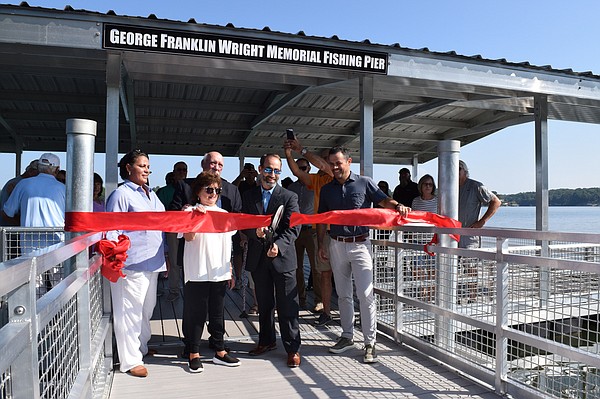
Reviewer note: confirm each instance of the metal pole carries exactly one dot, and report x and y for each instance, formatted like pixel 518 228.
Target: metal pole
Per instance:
pixel 366 125
pixel 446 279
pixel 541 187
pixel 81 136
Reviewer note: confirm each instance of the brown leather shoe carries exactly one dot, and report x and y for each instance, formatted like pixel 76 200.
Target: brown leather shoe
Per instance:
pixel 260 349
pixel 139 371
pixel 293 359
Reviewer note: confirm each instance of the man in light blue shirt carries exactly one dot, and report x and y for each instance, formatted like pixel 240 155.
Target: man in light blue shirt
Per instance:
pixel 40 202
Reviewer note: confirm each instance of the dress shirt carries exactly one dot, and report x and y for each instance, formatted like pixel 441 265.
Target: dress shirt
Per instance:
pixel 147 251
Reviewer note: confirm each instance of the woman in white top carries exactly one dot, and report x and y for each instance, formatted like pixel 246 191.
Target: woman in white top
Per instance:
pixel 207 271
pixel 427 201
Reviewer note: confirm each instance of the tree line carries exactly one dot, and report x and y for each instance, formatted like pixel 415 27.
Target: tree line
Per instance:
pixel 558 197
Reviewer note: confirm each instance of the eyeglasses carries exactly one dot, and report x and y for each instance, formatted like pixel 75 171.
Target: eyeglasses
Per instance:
pixel 210 190
pixel 271 170
pixel 428 184
pixel 303 167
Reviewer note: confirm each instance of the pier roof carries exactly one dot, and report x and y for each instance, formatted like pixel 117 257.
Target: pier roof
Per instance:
pixel 188 87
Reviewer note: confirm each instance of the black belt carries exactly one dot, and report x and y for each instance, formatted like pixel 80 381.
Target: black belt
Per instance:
pixel 361 238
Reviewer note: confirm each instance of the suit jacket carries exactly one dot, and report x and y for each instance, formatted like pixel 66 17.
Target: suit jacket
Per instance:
pixel 284 236
pixel 230 197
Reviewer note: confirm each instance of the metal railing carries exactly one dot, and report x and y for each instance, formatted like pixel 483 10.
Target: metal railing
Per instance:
pixel 57 343
pixel 521 313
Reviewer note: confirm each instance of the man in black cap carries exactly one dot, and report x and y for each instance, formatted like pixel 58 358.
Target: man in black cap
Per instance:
pixel 407 190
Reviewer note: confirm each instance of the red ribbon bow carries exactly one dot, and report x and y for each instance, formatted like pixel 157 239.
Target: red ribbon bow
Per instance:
pixel 114 255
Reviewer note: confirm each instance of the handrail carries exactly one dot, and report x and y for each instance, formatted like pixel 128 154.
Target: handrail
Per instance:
pixel 59 321
pixel 481 310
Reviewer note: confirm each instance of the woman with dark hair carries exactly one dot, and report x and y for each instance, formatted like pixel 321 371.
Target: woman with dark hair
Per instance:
pixel 207 271
pixel 98 201
pixel 134 297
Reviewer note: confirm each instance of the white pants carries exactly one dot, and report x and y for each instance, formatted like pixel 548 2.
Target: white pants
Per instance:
pixel 354 259
pixel 133 301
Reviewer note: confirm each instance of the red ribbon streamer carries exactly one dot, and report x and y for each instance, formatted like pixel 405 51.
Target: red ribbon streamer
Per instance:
pixel 220 222
pixel 380 217
pixel 114 255
pixel 170 222
pixel 374 217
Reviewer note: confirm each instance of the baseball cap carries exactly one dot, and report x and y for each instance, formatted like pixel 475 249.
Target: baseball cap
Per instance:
pixel 462 165
pixel 404 170
pixel 49 159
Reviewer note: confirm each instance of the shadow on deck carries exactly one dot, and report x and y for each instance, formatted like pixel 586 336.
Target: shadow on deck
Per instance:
pixel 400 373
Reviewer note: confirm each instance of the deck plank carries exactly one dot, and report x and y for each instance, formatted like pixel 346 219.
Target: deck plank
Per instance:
pixel 400 373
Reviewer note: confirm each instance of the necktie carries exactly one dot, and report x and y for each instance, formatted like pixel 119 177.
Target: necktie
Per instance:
pixel 266 198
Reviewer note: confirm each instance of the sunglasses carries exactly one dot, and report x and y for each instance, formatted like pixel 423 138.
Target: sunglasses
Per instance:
pixel 303 167
pixel 210 190
pixel 271 170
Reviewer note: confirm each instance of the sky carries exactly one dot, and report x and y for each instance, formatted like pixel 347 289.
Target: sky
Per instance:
pixel 563 35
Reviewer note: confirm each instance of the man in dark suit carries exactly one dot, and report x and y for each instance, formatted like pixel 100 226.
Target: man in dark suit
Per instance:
pixel 273 264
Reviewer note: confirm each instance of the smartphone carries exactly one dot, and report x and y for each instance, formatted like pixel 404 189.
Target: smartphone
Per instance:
pixel 290 134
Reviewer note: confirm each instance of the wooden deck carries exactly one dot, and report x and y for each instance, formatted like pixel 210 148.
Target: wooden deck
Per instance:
pixel 400 373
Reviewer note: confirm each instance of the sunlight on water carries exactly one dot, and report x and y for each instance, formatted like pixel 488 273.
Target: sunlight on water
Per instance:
pixel 579 219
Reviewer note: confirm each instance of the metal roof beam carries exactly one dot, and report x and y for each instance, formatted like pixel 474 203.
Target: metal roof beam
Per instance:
pixel 278 105
pixel 216 82
pixel 53 97
pixel 270 111
pixel 192 124
pixel 198 105
pixel 17 141
pixel 412 112
pixel 487 128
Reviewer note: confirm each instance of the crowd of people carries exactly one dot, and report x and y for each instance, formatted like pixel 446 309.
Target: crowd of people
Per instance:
pixel 207 264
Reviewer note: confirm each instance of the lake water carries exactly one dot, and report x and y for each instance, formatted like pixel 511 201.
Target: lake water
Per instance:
pixel 579 219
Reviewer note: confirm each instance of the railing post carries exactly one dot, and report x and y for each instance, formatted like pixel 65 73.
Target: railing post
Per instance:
pixel 22 309
pixel 502 302
pixel 81 135
pixel 446 279
pixel 398 287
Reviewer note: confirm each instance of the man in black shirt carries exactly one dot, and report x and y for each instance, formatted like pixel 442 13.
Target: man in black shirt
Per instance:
pixel 407 190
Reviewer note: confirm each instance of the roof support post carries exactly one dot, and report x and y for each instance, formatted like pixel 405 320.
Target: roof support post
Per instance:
pixel 415 165
pixel 447 279
pixel 113 84
pixel 18 161
pixel 81 138
pixel 366 125
pixel 540 110
pixel 541 162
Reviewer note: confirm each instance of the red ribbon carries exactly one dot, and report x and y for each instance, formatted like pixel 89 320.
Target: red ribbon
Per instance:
pixel 374 217
pixel 220 222
pixel 170 222
pixel 380 217
pixel 114 254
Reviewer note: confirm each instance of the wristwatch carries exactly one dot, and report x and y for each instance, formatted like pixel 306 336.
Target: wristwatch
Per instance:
pixel 303 151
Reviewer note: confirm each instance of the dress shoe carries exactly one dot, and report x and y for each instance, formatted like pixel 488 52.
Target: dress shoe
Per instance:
pixel 293 359
pixel 260 349
pixel 138 371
